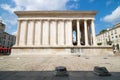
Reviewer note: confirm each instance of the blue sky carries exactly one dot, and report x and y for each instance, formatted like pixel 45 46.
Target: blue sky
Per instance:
pixel 107 16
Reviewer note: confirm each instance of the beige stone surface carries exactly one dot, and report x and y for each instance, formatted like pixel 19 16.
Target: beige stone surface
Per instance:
pixel 68 50
pixel 48 62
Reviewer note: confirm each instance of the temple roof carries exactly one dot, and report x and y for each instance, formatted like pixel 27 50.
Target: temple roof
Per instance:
pixel 19 13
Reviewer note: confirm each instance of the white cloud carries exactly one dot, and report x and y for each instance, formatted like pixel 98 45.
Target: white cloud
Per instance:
pixel 23 5
pixel 75 6
pixel 10 19
pixel 0 19
pixel 113 17
pixel 31 5
pixel 14 33
pixel 36 5
pixel 7 7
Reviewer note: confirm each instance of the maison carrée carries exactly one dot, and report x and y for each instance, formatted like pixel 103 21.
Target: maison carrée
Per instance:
pixel 63 32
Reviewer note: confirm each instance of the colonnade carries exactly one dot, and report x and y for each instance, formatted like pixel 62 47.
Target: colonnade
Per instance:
pixel 52 32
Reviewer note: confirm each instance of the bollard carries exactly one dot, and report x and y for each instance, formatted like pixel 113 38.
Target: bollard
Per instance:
pixel 101 71
pixel 61 71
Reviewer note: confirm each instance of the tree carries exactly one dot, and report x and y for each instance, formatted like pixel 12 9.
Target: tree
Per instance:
pixel 102 31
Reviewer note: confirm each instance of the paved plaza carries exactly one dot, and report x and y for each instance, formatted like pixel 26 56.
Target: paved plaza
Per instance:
pixel 41 67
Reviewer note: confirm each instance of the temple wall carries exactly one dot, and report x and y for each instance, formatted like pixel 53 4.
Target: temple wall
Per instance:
pixel 82 51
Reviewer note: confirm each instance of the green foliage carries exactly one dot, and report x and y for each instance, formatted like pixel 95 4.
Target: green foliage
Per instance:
pixel 109 42
pixel 102 31
pixel 99 43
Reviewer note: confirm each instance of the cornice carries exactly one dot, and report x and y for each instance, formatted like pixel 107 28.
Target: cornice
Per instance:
pixel 55 13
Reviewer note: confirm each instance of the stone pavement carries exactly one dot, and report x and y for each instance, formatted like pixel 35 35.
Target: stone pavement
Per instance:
pixel 41 67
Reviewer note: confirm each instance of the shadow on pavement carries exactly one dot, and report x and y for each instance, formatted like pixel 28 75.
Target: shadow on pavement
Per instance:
pixel 49 75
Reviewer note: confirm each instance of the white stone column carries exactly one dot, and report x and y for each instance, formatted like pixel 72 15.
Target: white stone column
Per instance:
pixel 22 33
pixel 93 32
pixel 41 41
pixel 38 33
pixel 56 32
pixel 60 33
pixel 18 33
pixel 64 33
pixel 68 32
pixel 34 32
pixel 78 33
pixel 26 32
pixel 45 33
pixel 86 32
pixel 49 32
pixel 53 32
pixel 71 33
pixel 30 33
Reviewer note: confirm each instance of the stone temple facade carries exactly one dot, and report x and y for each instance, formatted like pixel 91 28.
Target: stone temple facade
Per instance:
pixel 54 29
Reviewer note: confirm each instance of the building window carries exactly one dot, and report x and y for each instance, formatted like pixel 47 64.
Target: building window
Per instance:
pixel 115 31
pixel 4 36
pixel 3 42
pixel 111 32
pixel 116 36
pixel 9 37
pixel 112 37
pixel 8 43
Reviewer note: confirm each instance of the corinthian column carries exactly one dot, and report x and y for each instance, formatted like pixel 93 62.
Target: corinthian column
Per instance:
pixel 71 32
pixel 56 32
pixel 93 32
pixel 78 33
pixel 86 32
pixel 64 27
pixel 41 42
pixel 26 32
pixel 49 27
pixel 34 32
pixel 18 33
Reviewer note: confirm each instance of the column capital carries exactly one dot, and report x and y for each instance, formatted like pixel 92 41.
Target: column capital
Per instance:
pixel 19 20
pixel 85 19
pixel 78 19
pixel 92 19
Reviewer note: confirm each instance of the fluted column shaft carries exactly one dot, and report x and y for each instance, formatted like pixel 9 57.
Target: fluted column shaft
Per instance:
pixel 78 32
pixel 93 32
pixel 18 33
pixel 86 32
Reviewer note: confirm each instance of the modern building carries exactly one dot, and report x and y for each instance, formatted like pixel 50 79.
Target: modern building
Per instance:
pixel 6 40
pixel 110 36
pixel 2 29
pixel 53 30
pixel 2 26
